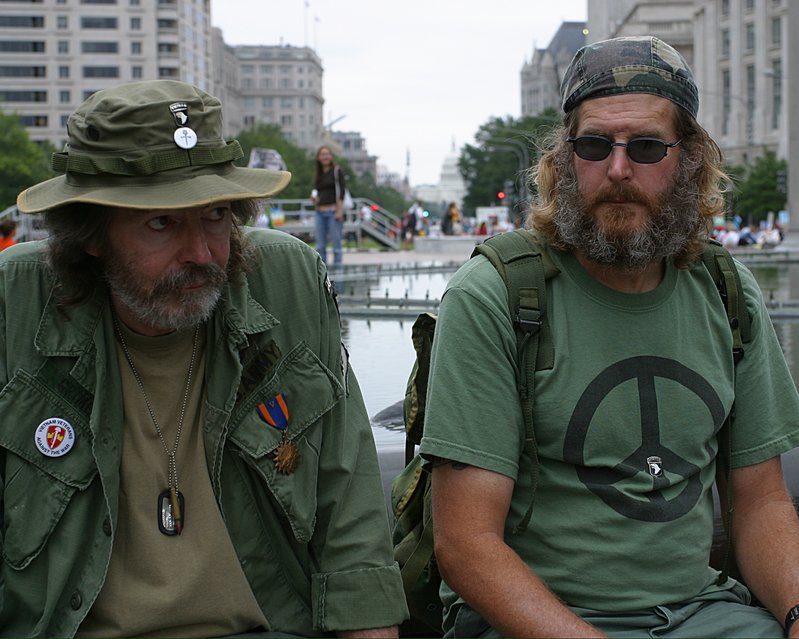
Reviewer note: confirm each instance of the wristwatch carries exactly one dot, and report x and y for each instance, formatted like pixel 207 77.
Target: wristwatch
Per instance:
pixel 793 615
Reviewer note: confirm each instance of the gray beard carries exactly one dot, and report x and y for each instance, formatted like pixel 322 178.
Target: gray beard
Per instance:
pixel 161 304
pixel 674 221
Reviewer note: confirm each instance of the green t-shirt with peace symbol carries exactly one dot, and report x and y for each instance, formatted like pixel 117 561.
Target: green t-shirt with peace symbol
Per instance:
pixel 625 423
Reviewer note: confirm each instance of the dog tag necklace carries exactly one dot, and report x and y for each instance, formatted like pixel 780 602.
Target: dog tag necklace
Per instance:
pixel 171 504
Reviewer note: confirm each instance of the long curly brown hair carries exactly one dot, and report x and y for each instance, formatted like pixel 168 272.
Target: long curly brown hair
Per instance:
pixel 701 162
pixel 78 275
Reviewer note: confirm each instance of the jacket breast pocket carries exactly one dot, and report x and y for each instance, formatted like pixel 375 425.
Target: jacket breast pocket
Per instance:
pixel 38 483
pixel 298 395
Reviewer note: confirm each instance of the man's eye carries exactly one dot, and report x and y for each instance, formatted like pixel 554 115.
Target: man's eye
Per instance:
pixel 158 223
pixel 218 213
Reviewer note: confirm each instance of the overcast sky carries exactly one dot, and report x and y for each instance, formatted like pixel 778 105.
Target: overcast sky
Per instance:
pixel 409 75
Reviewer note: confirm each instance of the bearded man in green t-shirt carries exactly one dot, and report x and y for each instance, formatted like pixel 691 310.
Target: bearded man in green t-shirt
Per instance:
pixel 628 417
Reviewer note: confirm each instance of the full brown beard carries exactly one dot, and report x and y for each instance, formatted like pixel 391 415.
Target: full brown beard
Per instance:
pixel 671 220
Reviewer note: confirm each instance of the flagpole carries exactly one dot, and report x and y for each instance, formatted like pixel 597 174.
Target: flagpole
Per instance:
pixel 305 21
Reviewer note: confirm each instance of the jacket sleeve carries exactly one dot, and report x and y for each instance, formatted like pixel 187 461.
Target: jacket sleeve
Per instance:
pixel 356 583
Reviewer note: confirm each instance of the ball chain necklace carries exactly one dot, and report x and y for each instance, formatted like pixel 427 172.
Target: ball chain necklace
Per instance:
pixel 171 504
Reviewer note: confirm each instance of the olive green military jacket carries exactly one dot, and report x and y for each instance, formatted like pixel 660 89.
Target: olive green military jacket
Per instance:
pixel 314 544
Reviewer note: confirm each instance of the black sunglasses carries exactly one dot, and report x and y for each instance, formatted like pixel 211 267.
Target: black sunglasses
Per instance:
pixel 640 150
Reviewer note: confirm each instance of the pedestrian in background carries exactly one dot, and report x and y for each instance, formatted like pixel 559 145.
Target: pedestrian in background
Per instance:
pixel 328 197
pixel 184 449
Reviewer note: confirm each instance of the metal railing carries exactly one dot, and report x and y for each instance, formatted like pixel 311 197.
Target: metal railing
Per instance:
pixel 297 218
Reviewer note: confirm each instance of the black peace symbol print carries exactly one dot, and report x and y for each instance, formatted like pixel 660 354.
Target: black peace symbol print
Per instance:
pixel 600 481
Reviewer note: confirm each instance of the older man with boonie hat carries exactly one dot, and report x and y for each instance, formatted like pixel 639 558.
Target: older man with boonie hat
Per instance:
pixel 586 509
pixel 185 451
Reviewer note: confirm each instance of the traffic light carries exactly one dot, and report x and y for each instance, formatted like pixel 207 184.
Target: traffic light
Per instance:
pixel 501 196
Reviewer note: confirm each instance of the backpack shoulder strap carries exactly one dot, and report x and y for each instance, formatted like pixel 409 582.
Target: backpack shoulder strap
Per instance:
pixel 721 266
pixel 525 266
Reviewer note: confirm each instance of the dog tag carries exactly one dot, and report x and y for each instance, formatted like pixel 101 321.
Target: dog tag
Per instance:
pixel 171 512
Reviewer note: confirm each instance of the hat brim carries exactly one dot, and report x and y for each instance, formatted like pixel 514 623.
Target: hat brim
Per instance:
pixel 237 183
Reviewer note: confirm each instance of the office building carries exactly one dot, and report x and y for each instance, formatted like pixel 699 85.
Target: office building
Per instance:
pixel 56 53
pixel 282 85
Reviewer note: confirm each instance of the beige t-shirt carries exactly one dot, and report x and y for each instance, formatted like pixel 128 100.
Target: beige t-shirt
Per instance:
pixel 187 585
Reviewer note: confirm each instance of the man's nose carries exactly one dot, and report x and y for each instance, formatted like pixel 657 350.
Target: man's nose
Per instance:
pixel 620 166
pixel 194 244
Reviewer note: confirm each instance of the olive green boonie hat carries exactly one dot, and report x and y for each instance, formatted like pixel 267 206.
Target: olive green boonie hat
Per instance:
pixel 638 64
pixel 149 145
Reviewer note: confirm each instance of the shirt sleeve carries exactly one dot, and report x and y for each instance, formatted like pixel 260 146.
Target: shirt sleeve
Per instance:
pixel 766 400
pixel 356 583
pixel 473 412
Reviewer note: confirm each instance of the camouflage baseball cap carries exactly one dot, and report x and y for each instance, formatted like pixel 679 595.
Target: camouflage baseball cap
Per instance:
pixel 638 64
pixel 149 145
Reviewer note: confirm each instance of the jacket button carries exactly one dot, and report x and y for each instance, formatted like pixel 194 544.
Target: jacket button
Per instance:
pixel 107 526
pixel 75 600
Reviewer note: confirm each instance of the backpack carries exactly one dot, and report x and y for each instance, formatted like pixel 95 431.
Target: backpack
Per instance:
pixel 525 267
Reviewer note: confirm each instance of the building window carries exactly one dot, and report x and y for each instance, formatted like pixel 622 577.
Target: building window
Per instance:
pixel 776 32
pixel 286 120
pixel 167 24
pixel 750 36
pixel 248 102
pixel 750 6
pixel 21 46
pixel 64 97
pixel 23 96
pixel 285 83
pixel 725 8
pixel 22 22
pixel 265 83
pixel 98 22
pixel 100 72
pixel 63 72
pixel 62 22
pixel 64 121
pixel 248 68
pixel 725 102
pixel 267 68
pixel 98 1
pixel 267 103
pixel 725 43
pixel 38 121
pixel 135 48
pixel 23 72
pixel 286 103
pixel 63 46
pixel 135 24
pixel 776 93
pixel 137 72
pixel 246 83
pixel 99 47
pixel 168 73
pixel 285 68
pixel 249 120
pixel 750 102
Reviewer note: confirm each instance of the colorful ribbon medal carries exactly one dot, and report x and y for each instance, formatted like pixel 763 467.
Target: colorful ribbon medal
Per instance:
pixel 275 412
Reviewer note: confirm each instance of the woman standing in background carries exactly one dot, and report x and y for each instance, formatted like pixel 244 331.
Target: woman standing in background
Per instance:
pixel 328 196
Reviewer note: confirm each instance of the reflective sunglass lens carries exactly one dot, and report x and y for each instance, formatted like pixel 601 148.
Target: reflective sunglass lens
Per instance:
pixel 592 148
pixel 646 151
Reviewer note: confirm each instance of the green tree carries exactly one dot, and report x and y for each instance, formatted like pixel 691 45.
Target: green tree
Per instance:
pixel 504 151
pixel 755 193
pixel 23 163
